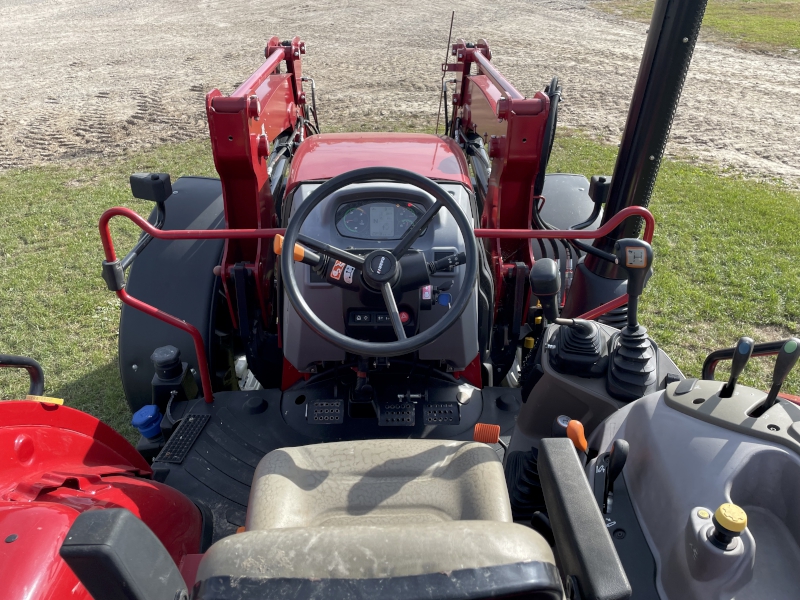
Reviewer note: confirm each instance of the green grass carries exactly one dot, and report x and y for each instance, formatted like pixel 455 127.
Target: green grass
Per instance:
pixel 54 306
pixel 727 264
pixel 751 24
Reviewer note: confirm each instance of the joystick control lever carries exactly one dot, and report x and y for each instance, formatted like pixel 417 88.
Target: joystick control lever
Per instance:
pixel 787 359
pixel 617 457
pixel 744 350
pixel 633 355
pixel 545 279
pixel 637 258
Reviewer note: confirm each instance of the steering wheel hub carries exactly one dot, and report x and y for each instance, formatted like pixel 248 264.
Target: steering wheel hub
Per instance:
pixel 380 266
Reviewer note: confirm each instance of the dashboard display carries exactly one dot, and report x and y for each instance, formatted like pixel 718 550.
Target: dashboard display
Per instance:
pixel 377 219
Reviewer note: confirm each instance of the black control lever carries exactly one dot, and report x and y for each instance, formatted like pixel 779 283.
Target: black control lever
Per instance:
pixel 637 258
pixel 616 461
pixel 787 359
pixel 744 350
pixel 545 284
pixel 448 262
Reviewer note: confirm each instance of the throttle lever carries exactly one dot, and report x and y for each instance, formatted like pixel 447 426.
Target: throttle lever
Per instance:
pixel 744 350
pixel 617 457
pixel 787 359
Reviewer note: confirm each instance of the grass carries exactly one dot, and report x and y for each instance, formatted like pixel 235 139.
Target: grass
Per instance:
pixel 727 264
pixel 750 24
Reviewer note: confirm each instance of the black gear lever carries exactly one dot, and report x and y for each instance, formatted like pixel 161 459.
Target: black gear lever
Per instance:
pixel 742 354
pixel 545 284
pixel 617 457
pixel 787 359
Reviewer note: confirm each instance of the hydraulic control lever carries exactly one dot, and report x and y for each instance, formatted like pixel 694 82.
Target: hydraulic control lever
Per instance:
pixel 545 280
pixel 617 457
pixel 637 258
pixel 633 356
pixel 787 359
pixel 744 350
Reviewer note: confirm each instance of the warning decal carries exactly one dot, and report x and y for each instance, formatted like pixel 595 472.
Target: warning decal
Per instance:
pixel 336 271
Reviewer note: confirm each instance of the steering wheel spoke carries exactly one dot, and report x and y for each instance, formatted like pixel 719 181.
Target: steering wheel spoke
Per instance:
pixel 413 233
pixel 394 314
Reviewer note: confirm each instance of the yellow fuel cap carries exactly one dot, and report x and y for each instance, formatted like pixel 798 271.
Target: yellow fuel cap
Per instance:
pixel 731 517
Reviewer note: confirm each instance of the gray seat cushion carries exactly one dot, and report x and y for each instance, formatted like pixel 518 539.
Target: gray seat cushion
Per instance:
pixel 371 552
pixel 378 482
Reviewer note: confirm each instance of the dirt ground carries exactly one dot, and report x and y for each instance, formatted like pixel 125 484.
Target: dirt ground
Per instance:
pixel 82 78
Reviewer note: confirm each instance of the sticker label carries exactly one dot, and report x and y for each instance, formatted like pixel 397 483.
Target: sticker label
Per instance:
pixel 635 257
pixel 427 292
pixel 348 274
pixel 336 271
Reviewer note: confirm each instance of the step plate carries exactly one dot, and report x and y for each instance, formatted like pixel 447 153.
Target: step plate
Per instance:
pixel 182 439
pixel 326 412
pixel 397 414
pixel 444 413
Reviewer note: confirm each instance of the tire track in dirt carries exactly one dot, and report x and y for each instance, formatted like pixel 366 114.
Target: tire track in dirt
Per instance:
pixel 101 77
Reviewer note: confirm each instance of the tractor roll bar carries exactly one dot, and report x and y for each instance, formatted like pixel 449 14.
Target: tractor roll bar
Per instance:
pixel 112 261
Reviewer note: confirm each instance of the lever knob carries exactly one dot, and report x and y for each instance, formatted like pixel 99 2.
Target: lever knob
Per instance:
pixel 742 354
pixel 545 280
pixel 617 457
pixel 729 523
pixel 787 359
pixel 637 258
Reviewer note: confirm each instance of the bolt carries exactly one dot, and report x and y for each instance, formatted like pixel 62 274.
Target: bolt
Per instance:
pixel 619 534
pixel 297 53
pixel 685 40
pixel 193 372
pixel 135 368
pixel 652 157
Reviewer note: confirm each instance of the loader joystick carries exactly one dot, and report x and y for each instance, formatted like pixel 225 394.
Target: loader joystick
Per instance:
pixel 634 357
pixel 380 271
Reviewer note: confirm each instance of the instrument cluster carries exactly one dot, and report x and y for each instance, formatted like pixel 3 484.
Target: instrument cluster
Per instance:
pixel 377 219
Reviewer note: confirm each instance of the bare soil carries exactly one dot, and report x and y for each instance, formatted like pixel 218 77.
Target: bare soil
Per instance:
pixel 88 78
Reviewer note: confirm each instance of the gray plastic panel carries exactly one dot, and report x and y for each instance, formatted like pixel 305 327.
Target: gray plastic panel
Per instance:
pixel 679 462
pixel 779 424
pixel 302 347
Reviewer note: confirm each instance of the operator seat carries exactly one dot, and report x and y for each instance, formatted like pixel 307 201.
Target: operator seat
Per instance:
pixel 384 519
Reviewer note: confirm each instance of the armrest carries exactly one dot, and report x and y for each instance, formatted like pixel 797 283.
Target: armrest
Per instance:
pixel 585 549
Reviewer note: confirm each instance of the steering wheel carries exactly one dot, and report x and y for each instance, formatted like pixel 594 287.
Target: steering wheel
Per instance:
pixel 380 269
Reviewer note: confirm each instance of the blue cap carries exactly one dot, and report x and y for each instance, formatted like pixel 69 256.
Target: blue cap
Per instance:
pixel 445 299
pixel 148 421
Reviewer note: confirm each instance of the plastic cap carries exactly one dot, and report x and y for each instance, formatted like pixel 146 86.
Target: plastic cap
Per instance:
pixel 529 343
pixel 277 246
pixel 731 517
pixel 576 434
pixel 148 421
pixel 486 433
pixel 445 299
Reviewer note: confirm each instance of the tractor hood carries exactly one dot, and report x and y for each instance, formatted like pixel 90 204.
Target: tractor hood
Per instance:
pixel 328 155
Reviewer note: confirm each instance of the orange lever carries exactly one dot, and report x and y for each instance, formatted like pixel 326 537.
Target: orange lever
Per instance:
pixel 576 434
pixel 486 433
pixel 277 246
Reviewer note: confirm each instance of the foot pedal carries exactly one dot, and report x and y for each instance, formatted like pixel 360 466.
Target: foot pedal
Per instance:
pixel 326 412
pixel 182 440
pixel 397 414
pixel 442 413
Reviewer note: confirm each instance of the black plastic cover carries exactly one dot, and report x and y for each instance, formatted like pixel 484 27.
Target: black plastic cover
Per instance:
pixel 583 544
pixel 151 186
pixel 116 556
pixel 114 275
pixel 531 580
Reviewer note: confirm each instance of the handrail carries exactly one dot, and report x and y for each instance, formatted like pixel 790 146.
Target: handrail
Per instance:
pixel 216 234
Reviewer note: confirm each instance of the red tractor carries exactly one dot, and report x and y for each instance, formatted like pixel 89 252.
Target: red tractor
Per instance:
pixel 383 366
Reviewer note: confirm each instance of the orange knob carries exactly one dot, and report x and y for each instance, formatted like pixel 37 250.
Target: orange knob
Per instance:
pixel 576 434
pixel 277 246
pixel 486 433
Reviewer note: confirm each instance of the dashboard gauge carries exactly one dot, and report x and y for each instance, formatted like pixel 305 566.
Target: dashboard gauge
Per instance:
pixel 355 220
pixel 377 219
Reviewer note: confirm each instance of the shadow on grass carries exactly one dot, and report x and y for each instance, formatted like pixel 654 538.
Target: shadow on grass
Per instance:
pixel 100 394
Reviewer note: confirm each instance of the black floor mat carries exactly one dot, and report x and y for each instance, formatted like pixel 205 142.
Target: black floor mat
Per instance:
pixel 239 428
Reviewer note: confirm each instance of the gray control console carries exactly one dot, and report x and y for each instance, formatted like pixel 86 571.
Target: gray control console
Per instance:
pixel 346 219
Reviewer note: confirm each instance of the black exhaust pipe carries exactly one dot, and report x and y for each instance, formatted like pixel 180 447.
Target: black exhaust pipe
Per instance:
pixel 673 33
